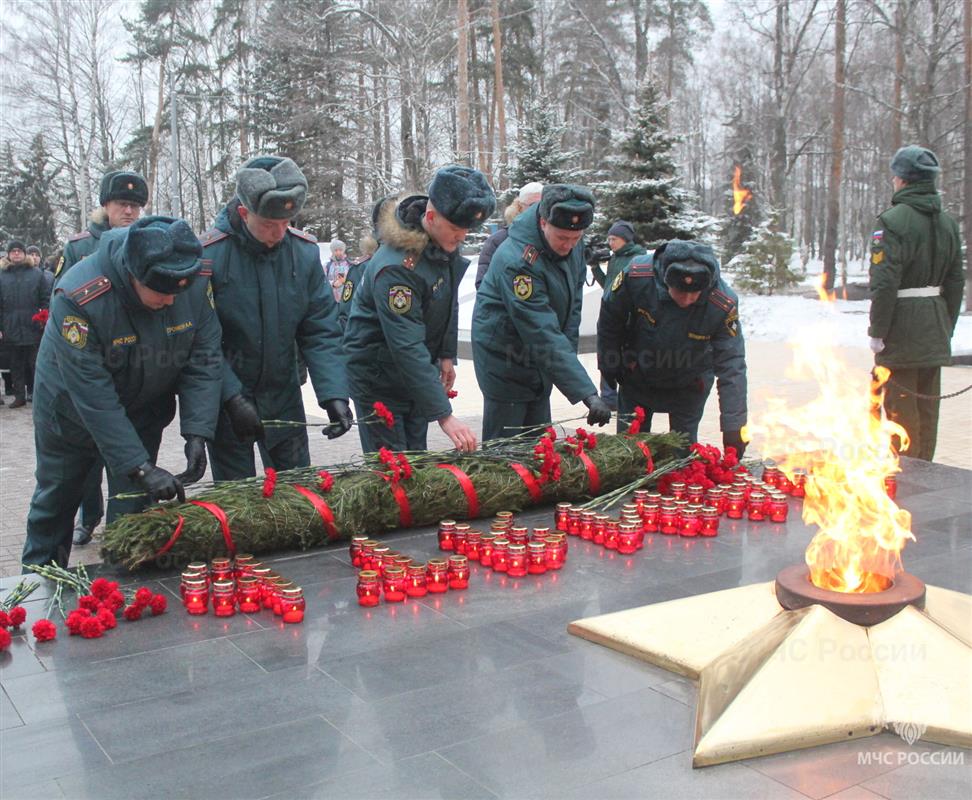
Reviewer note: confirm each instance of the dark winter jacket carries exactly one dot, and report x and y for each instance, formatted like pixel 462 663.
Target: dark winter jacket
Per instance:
pixel 649 344
pixel 83 244
pixel 526 320
pixel 916 245
pixel 272 302
pixel 109 367
pixel 404 315
pixel 490 247
pixel 617 263
pixel 23 292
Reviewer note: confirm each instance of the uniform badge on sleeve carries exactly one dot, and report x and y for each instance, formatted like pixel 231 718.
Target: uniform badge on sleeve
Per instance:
pixel 732 323
pixel 75 331
pixel 347 292
pixel 616 283
pixel 400 299
pixel 877 247
pixel 523 287
pixel 209 295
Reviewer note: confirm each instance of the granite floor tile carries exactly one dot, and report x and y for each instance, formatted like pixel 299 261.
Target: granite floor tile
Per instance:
pixel 856 793
pixel 9 716
pixel 948 570
pixel 62 693
pixel 46 752
pixel 942 774
pixel 250 764
pixel 45 790
pixel 424 777
pixel 216 711
pixel 684 690
pixel 548 757
pixel 19 659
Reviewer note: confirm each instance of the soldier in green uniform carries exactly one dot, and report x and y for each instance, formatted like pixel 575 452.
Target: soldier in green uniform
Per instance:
pixel 402 333
pixel 132 327
pixel 121 197
pixel 527 317
pixel 272 300
pixel 917 281
pixel 669 326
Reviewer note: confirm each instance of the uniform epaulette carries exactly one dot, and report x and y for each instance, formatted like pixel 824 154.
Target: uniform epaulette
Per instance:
pixel 721 300
pixel 90 290
pixel 641 271
pixel 78 236
pixel 307 237
pixel 530 254
pixel 211 236
pixel 206 270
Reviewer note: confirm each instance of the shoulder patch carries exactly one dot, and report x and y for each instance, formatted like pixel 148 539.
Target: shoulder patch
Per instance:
pixel 732 323
pixel 78 236
pixel 523 287
pixel 721 300
pixel 641 271
pixel 616 283
pixel 400 299
pixel 347 291
pixel 212 236
pixel 307 237
pixel 74 331
pixel 530 254
pixel 90 290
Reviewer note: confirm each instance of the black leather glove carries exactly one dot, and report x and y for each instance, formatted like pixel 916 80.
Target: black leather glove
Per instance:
pixel 244 418
pixel 195 460
pixel 339 412
pixel 157 483
pixel 734 439
pixel 598 411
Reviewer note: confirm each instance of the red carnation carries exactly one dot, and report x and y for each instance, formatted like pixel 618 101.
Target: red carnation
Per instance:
pixel 114 601
pixel 41 317
pixel 452 393
pixel 102 587
pixel 106 618
pixel 551 433
pixel 269 482
pixel 327 480
pixel 92 628
pixel 638 421
pixel 158 604
pixel 44 630
pixel 74 620
pixel 5 639
pixel 89 602
pixel 4 619
pixel 382 412
pixel 17 616
pixel 143 596
pixel 133 613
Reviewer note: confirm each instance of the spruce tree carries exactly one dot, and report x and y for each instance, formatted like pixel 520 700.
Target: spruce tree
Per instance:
pixel 763 264
pixel 27 212
pixel 741 223
pixel 538 151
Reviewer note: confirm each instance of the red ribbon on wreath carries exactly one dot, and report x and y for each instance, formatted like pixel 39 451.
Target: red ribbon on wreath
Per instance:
pixel 472 501
pixel 593 479
pixel 404 510
pixel 220 515
pixel 536 494
pixel 322 508
pixel 649 461
pixel 172 539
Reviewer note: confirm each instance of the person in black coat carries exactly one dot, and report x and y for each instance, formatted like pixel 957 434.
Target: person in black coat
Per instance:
pixel 23 293
pixel 529 194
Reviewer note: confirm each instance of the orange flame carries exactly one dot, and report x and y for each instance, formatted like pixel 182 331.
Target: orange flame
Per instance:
pixel 740 195
pixel 845 446
pixel 823 294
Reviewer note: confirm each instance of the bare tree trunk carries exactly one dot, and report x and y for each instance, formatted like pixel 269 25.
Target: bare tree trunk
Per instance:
pixel 641 20
pixel 153 165
pixel 837 157
pixel 462 84
pixel 362 128
pixel 967 165
pixel 778 154
pixel 479 106
pixel 897 115
pixel 499 92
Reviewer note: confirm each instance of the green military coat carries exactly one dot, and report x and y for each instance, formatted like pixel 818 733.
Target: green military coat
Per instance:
pixel 83 244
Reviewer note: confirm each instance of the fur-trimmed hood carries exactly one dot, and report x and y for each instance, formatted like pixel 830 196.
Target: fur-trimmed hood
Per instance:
pixel 99 216
pixel 399 223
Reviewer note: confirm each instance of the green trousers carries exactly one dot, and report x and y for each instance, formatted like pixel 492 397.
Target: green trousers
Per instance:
pixel 917 415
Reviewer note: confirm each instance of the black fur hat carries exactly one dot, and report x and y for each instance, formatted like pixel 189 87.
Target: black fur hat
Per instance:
pixel 128 186
pixel 686 266
pixel 163 253
pixel 567 206
pixel 462 195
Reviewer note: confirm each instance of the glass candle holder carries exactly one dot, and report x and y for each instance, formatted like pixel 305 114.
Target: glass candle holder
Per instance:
pixel 784 484
pixel 499 528
pixel 458 572
pixel 389 559
pixel 447 532
pixel 649 517
pixel 279 586
pixel 369 588
pixel 516 560
pixel 293 603
pixel 368 554
pixel 248 594
pixel 573 521
pixel 518 534
pixel 474 544
pixel 486 549
pixel 691 522
pixel 611 534
pixel 501 554
pixel 891 486
pixel 640 496
pixel 710 521
pixel 416 581
pixel 378 553
pixel 735 503
pixel 630 510
pixel 653 497
pixel 354 549
pixel 224 598
pixel 220 569
pixel 678 489
pixel 242 565
pixel 504 516
pixel 771 474
pixel 537 558
pixel 539 534
pixel 266 576
pixel 404 562
pixel 716 498
pixel 393 584
pixel 195 596
pixel 459 537
pixel 778 507
pixel 555 552
pixel 599 522
pixel 668 519
pixel 189 577
pixel 756 507
pixel 587 525
pixel 694 493
pixel 437 575
pixel 200 568
pixel 627 538
pixel 561 517
pixel 799 480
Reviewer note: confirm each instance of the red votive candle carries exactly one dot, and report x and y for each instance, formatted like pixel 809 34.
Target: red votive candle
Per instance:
pixel 378 553
pixel 486 549
pixel 649 517
pixel 195 596
pixel 437 575
pixel 292 601
pixel 474 544
pixel 501 554
pixel 516 560
pixel 716 498
pixel 242 565
pixel 771 474
pixel 668 519
pixel 891 486
pixel 587 525
pixel 248 594
pixel 459 537
pixel 354 549
pixel 561 517
pixel 799 480
pixel 279 586
pixel 694 493
pixel 640 497
pixel 735 503
pixel 778 507
pixel 505 517
pixel 611 534
pixel 499 528
pixel 555 553
pixel 539 534
pixel 189 577
pixel 224 598
pixel 200 568
pixel 573 521
pixel 368 555
pixel 447 532
pixel 627 538
pixel 393 583
pixel 537 558
pixel 678 489
pixel 756 508
pixel 369 588
pixel 691 522
pixel 599 522
pixel 220 569
pixel 389 559
pixel 458 572
pixel 710 521
pixel 416 581
pixel 404 562
pixel 518 534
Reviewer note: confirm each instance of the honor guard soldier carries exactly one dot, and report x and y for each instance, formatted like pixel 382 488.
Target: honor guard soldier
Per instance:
pixel 669 326
pixel 527 317
pixel 272 300
pixel 132 327
pixel 402 332
pixel 917 282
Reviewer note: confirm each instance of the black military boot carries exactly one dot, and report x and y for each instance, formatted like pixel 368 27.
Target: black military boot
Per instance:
pixel 19 402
